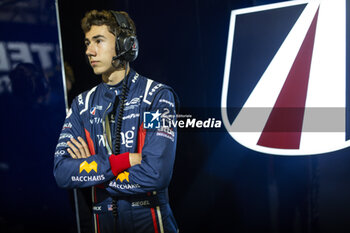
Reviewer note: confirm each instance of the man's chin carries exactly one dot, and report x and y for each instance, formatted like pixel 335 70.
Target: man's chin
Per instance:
pixel 97 71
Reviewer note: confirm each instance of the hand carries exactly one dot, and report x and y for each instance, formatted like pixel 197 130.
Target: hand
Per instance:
pixel 78 149
pixel 135 158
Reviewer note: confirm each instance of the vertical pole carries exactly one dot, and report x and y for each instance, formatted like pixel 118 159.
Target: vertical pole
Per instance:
pixel 66 104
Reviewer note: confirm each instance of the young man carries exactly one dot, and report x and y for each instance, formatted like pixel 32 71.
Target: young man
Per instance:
pixel 104 144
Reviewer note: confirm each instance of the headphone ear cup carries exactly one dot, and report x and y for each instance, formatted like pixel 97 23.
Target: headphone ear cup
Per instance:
pixel 118 45
pixel 128 46
pixel 133 49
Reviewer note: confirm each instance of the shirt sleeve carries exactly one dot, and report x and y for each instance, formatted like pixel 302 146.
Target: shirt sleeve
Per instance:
pixel 78 173
pixel 158 151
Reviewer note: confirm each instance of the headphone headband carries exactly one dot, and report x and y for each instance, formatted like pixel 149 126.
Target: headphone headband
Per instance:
pixel 122 21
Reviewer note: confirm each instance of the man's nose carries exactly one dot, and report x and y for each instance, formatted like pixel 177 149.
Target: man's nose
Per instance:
pixel 90 50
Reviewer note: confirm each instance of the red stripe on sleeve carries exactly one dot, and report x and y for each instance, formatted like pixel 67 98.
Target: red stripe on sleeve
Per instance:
pixel 90 142
pixel 141 135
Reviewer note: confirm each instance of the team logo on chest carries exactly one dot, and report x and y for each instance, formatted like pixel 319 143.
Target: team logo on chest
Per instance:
pixel 284 89
pixel 93 109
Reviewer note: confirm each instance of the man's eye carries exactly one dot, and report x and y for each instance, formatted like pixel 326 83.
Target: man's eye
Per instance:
pixel 87 44
pixel 98 41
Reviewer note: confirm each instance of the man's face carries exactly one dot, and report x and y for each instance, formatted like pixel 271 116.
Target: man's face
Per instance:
pixel 100 49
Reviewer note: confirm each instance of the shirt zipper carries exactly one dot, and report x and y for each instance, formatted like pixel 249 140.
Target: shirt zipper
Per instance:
pixel 108 146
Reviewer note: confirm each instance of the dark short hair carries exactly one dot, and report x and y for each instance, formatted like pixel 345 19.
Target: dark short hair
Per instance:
pixel 104 17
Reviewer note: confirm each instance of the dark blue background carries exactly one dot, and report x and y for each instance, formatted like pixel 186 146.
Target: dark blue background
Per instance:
pixel 218 185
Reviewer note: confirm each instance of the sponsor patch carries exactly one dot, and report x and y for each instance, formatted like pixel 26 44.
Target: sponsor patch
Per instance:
pixel 167 102
pixel 62 144
pixel 80 99
pixel 93 109
pixel 131 116
pixel 134 103
pixel 123 176
pixel 67 125
pixel 87 178
pixel 124 186
pixel 59 153
pixel 88 166
pixel 140 203
pixel 65 135
pixel 128 137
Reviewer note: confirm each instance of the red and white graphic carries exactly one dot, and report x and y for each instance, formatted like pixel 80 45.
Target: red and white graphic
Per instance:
pixel 301 96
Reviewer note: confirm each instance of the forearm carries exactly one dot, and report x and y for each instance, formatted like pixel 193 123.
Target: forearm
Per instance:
pixel 154 173
pixel 80 173
pixel 85 172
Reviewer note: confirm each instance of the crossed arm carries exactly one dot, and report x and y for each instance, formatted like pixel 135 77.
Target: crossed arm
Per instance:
pixel 79 149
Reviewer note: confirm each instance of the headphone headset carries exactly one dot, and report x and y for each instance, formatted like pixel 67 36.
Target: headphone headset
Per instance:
pixel 126 44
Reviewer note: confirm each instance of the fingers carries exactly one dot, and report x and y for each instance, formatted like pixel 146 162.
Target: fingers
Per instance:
pixel 74 149
pixel 78 149
pixel 71 153
pixel 85 147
